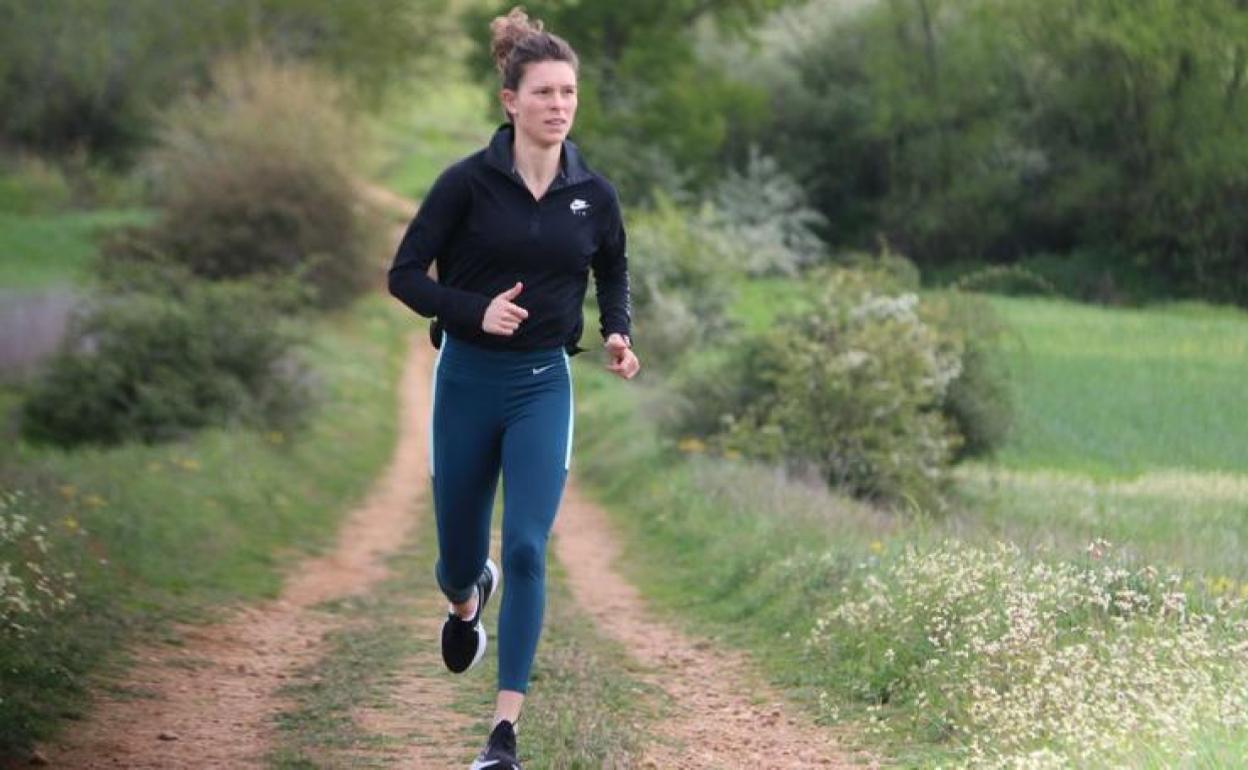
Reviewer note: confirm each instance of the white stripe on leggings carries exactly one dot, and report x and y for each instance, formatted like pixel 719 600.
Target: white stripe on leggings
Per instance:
pixel 433 403
pixel 567 459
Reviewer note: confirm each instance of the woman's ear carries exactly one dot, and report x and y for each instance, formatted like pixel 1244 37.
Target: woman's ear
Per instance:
pixel 507 98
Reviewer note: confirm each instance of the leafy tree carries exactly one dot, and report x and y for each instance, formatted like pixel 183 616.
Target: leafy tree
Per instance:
pixel 995 129
pixel 648 103
pixel 92 73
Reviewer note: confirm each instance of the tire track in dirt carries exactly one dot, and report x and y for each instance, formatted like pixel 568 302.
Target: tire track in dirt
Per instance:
pixel 212 701
pixel 721 712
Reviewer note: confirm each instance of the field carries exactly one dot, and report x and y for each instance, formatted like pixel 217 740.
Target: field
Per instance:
pixel 1127 464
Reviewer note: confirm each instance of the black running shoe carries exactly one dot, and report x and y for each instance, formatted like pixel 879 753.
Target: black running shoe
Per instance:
pixel 463 641
pixel 500 750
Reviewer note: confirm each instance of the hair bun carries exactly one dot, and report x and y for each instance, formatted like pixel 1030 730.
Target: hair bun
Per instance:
pixel 507 31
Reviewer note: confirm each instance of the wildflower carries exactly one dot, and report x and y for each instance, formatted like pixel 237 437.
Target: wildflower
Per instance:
pixel 691 445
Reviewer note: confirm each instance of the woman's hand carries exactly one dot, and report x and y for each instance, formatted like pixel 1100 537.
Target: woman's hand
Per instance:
pixel 503 317
pixel 620 358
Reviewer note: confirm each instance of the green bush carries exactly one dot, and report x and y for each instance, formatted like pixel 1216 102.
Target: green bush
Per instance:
pixel 152 367
pixel 980 400
pixel 255 179
pixel 850 387
pixel 31 186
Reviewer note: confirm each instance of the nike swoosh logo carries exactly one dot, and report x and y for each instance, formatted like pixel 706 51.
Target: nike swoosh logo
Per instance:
pixel 544 368
pixel 479 765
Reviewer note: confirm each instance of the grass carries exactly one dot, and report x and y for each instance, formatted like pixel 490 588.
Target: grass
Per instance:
pixel 754 558
pixel 172 531
pixel 1120 392
pixel 427 130
pixel 38 251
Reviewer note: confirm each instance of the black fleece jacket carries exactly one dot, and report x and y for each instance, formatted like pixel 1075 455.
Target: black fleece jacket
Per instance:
pixel 486 232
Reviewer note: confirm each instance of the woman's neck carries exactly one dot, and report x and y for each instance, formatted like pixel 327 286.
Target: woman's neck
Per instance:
pixel 537 164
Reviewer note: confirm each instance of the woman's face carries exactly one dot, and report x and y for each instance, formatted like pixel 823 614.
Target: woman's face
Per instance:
pixel 543 105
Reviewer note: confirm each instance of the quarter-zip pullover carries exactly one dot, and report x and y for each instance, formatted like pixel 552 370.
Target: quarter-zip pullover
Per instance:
pixel 487 231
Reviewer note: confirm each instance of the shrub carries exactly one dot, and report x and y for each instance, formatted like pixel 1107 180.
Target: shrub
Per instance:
pixel 681 289
pixel 151 367
pixel 980 400
pixel 764 213
pixel 255 178
pixel 30 186
pixel 851 386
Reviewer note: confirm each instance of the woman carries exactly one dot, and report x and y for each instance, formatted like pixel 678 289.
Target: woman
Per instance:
pixel 516 229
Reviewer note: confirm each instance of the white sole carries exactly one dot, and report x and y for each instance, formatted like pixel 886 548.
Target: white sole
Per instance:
pixel 482 639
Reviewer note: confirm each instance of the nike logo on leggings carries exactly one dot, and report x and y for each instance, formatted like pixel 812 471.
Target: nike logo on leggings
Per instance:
pixel 544 368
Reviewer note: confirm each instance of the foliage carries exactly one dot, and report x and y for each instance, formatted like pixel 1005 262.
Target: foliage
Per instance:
pixel 850 386
pixel 30 589
pixel 764 213
pixel 980 401
pixel 680 262
pixel 255 178
pixel 1028 663
pixel 31 186
pixel 92 73
pixel 152 367
pixel 165 533
pixel 651 111
pixel 990 130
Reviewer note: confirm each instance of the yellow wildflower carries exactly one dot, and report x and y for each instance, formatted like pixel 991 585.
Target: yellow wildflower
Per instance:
pixel 691 445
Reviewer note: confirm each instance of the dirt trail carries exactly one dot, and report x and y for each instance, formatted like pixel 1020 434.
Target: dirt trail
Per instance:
pixel 211 702
pixel 722 714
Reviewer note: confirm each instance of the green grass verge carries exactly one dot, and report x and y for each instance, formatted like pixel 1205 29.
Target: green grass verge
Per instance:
pixel 756 559
pixel 172 531
pixel 584 710
pixel 42 250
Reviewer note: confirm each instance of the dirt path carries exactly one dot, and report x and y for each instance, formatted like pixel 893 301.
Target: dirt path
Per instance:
pixel 211 701
pixel 722 714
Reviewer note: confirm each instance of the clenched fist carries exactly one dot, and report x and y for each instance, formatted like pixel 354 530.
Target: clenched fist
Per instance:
pixel 620 357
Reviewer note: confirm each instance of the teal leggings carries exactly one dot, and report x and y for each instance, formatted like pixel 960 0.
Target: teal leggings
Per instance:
pixel 508 411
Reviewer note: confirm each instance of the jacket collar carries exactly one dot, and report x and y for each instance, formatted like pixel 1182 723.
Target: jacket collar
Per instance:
pixel 499 154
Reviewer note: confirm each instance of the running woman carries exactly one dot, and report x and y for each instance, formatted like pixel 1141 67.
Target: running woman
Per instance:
pixel 515 228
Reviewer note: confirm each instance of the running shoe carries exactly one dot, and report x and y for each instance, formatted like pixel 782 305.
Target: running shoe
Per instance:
pixel 500 750
pixel 463 641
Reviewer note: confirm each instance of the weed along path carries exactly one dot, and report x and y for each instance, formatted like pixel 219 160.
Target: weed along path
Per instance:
pixel 721 713
pixel 212 700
